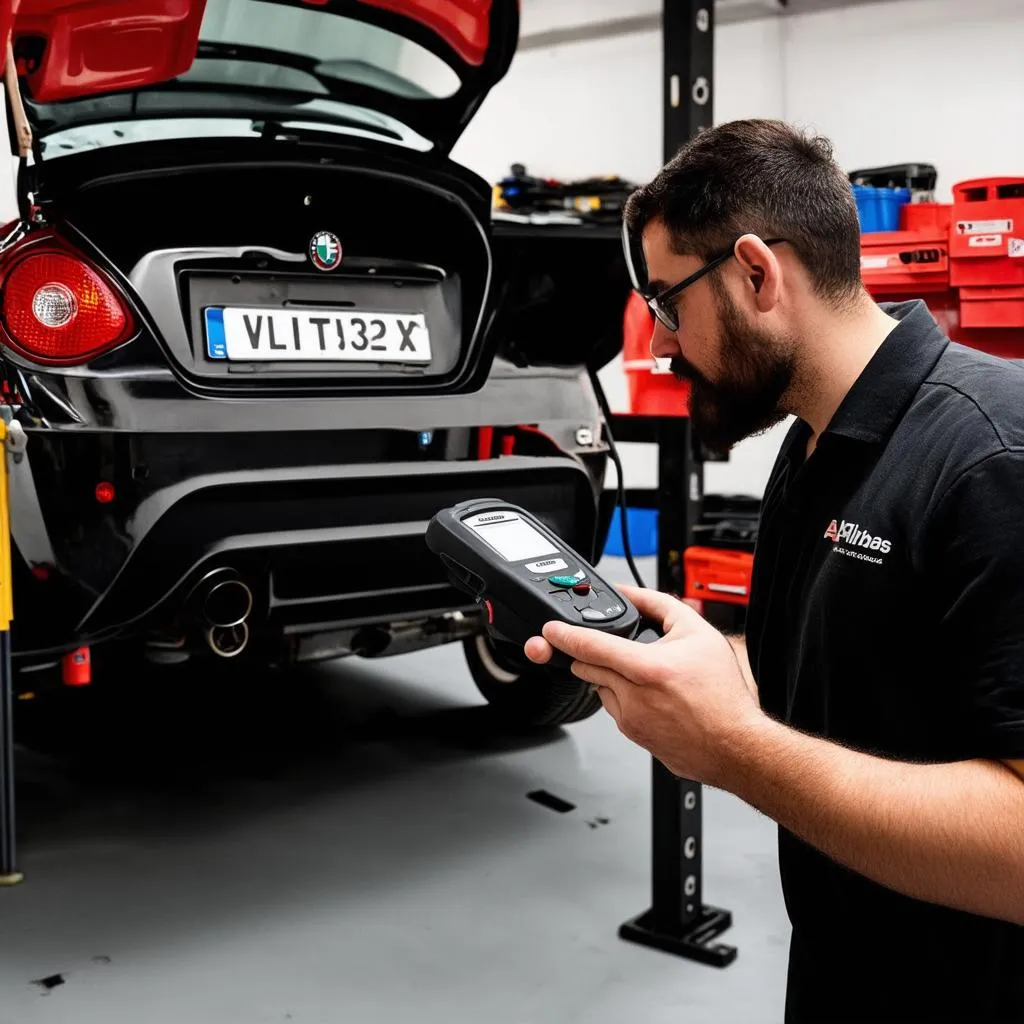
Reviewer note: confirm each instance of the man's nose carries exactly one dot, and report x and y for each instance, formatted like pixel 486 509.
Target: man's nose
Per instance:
pixel 664 343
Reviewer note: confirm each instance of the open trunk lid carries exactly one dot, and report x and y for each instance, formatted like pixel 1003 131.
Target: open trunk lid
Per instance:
pixel 376 65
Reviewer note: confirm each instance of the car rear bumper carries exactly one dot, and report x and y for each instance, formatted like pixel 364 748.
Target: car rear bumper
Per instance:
pixel 322 544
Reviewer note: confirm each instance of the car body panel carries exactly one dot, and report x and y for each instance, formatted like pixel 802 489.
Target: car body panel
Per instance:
pixel 107 44
pixel 427 63
pixel 157 401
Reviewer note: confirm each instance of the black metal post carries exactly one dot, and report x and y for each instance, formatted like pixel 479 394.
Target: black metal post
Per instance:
pixel 678 921
pixel 688 60
pixel 680 493
pixel 9 874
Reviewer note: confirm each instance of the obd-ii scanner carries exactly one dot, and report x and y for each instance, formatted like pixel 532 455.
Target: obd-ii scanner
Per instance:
pixel 526 576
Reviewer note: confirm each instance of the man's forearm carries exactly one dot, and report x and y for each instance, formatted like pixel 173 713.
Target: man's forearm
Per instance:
pixel 738 644
pixel 951 834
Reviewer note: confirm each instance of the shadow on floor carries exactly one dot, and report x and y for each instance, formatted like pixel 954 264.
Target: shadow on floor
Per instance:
pixel 175 737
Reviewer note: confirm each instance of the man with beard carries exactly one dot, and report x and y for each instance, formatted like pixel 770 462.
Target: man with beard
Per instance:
pixel 876 707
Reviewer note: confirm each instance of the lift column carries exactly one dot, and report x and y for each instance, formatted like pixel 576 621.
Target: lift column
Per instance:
pixel 678 921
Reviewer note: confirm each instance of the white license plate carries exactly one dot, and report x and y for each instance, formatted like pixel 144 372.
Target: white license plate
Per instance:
pixel 317 335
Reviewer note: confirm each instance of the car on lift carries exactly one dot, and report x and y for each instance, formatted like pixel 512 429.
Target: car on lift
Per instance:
pixel 257 327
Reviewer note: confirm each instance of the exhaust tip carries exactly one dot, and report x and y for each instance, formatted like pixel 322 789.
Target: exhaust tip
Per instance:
pixel 370 642
pixel 227 603
pixel 228 641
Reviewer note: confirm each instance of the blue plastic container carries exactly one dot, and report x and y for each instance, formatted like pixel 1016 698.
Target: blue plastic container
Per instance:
pixel 867 207
pixel 642 527
pixel 878 209
pixel 889 202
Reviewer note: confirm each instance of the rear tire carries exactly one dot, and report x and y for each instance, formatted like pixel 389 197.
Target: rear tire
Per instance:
pixel 525 695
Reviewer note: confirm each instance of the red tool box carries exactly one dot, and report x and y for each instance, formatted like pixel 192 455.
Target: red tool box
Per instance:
pixel 715 574
pixel 718 566
pixel 986 238
pixel 965 259
pixel 914 259
pixel 898 262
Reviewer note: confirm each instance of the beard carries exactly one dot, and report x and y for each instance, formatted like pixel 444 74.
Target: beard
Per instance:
pixel 755 373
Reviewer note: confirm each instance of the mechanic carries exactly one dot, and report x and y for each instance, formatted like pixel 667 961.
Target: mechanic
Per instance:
pixel 876 708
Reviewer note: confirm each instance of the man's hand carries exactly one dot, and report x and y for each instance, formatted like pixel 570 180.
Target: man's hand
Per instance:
pixel 683 698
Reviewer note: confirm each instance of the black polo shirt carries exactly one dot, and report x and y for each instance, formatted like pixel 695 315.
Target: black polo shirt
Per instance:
pixel 887 614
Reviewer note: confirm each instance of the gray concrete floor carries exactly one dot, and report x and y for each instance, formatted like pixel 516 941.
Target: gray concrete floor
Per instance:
pixel 357 847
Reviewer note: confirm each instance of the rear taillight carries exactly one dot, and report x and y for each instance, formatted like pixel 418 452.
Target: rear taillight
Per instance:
pixel 57 308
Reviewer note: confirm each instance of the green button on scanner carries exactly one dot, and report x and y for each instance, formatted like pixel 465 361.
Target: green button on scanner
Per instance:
pixel 563 581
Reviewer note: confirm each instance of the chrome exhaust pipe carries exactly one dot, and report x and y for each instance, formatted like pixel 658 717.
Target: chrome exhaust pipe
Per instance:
pixel 222 603
pixel 228 641
pixel 227 603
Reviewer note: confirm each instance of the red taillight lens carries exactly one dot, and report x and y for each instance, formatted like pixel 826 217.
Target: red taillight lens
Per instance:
pixel 58 309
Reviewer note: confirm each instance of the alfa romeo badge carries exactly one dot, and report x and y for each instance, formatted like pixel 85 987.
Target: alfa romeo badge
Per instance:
pixel 325 250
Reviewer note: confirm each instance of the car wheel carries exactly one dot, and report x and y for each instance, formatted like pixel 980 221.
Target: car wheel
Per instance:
pixel 524 694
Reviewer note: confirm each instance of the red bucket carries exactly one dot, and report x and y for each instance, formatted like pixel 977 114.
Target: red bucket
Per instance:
pixel 653 391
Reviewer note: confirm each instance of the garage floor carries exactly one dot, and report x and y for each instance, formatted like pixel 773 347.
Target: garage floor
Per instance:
pixel 357 848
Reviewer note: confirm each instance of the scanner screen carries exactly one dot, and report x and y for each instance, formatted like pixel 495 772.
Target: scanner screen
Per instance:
pixel 514 540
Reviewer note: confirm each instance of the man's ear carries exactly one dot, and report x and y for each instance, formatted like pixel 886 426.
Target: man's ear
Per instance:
pixel 762 270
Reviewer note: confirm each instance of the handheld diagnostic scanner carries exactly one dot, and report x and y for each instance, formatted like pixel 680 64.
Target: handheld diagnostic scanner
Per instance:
pixel 524 574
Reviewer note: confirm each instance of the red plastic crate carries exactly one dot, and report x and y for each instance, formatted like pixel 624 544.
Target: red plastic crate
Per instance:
pixel 992 307
pixel 651 392
pixel 931 217
pixel 717 574
pixel 986 237
pixel 945 307
pixel 901 262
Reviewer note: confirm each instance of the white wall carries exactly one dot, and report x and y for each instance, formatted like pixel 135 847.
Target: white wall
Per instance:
pixel 938 81
pixel 594 107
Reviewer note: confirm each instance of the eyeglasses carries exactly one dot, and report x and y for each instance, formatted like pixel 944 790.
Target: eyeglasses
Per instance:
pixel 661 305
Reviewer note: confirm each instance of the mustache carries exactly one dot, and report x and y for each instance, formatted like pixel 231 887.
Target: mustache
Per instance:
pixel 680 368
pixel 684 371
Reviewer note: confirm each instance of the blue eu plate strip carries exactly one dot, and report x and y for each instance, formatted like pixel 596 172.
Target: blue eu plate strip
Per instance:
pixel 216 345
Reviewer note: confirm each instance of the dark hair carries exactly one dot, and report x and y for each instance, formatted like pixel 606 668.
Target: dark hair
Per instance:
pixel 763 177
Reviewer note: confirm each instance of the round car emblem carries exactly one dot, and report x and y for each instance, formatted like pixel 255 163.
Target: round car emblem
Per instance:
pixel 325 250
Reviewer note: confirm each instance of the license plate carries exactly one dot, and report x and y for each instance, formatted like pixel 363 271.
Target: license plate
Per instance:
pixel 318 335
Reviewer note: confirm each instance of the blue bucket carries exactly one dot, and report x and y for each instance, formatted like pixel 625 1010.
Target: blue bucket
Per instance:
pixel 878 209
pixel 889 202
pixel 642 527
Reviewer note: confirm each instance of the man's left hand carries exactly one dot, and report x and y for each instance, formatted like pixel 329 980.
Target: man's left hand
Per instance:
pixel 683 698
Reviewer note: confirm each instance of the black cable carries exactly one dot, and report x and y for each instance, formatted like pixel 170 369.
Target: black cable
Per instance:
pixel 613 451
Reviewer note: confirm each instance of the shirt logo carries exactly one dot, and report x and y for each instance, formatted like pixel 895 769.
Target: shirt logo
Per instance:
pixel 854 542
